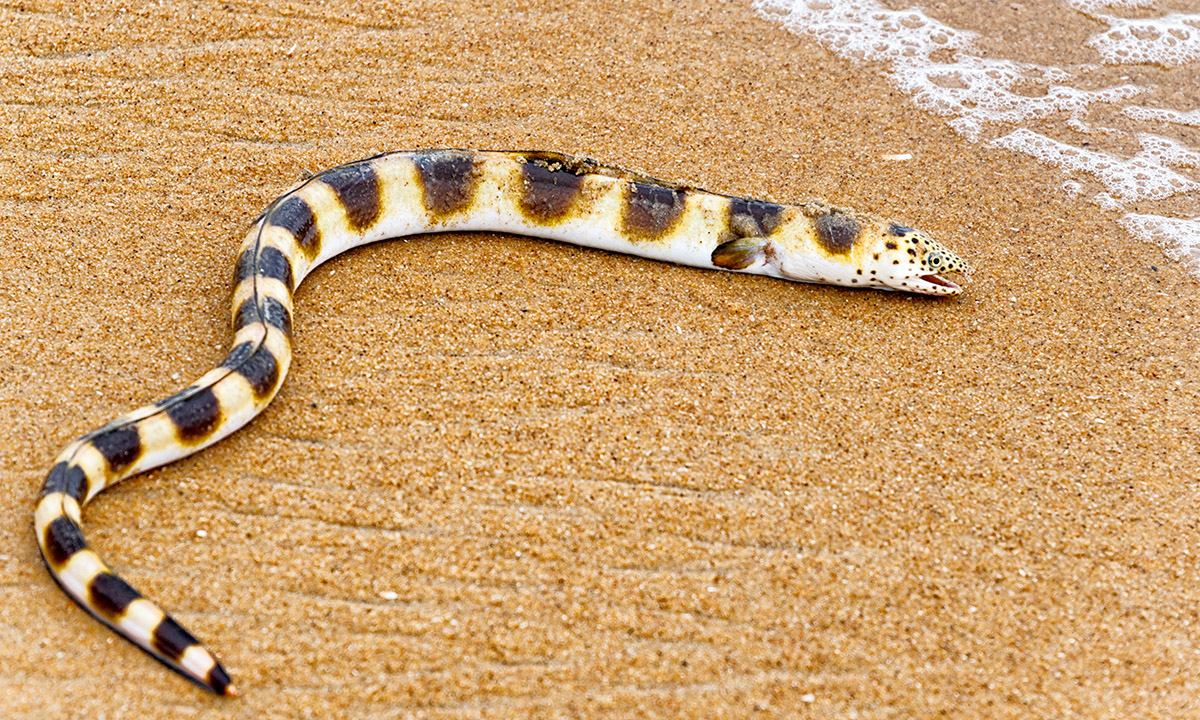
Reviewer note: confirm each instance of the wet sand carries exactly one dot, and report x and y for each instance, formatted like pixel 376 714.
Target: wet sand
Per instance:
pixel 508 478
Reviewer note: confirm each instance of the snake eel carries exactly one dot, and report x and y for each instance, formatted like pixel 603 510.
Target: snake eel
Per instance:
pixel 540 194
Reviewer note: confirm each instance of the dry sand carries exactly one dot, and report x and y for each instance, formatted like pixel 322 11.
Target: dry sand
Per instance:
pixel 597 486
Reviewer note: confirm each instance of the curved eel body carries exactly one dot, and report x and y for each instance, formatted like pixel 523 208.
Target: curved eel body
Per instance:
pixel 544 195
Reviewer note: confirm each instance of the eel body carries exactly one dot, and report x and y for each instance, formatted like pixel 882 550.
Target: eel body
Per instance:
pixel 545 195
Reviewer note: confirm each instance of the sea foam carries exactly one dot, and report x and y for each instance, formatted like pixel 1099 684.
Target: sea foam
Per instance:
pixel 973 91
pixel 1171 40
pixel 1140 177
pixel 1180 236
pixel 990 99
pixel 1191 117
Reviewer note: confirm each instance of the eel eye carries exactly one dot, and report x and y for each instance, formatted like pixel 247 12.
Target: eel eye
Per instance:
pixel 935 260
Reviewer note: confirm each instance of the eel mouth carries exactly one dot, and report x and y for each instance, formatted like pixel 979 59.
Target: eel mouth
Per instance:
pixel 938 285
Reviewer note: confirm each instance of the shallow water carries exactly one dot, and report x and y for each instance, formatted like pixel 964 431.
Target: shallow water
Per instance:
pixel 1106 91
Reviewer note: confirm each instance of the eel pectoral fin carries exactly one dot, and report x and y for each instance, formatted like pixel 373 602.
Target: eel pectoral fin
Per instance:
pixel 741 253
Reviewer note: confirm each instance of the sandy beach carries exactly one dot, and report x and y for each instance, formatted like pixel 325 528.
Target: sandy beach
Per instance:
pixel 511 478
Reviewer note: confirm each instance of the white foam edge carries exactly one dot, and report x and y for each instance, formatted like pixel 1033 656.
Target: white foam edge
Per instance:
pixel 1125 179
pixel 1179 237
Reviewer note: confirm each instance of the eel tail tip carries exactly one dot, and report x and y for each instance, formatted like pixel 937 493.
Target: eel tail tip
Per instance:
pixel 218 681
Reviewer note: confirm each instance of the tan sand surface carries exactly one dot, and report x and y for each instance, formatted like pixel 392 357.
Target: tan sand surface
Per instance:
pixel 508 478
